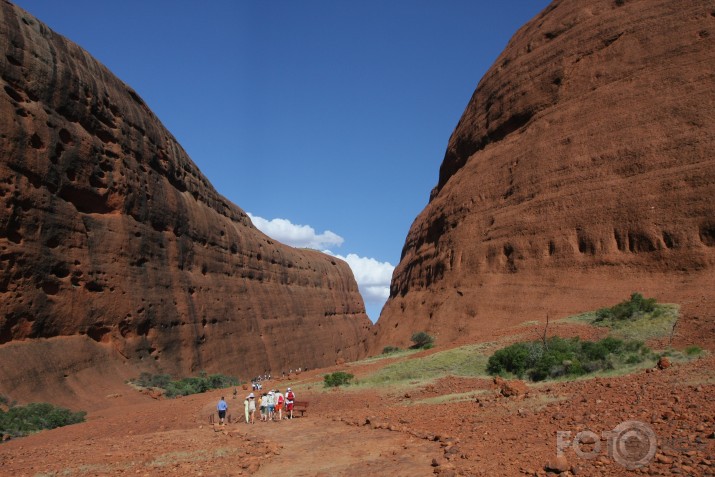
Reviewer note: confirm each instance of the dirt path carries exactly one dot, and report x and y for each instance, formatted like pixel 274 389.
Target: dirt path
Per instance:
pixel 170 437
pixel 321 447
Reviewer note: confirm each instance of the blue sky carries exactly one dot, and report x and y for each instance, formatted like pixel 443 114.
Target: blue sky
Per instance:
pixel 326 120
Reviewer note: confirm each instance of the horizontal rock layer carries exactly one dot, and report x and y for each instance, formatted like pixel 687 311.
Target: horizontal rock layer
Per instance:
pixel 109 231
pixel 581 170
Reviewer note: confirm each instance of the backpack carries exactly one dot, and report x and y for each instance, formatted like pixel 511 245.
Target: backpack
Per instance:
pixel 290 396
pixel 280 399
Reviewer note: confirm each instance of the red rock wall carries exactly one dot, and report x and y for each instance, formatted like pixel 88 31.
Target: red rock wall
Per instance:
pixel 108 230
pixel 581 170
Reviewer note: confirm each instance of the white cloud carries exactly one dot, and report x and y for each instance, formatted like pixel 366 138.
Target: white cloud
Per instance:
pixel 296 235
pixel 372 276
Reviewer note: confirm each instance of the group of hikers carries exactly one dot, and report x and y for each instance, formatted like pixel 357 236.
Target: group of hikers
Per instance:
pixel 270 405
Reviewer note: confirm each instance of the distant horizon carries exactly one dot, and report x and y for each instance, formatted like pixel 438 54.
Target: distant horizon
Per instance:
pixel 327 123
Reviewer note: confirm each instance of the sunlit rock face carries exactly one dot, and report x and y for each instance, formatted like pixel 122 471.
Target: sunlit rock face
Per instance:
pixel 112 240
pixel 582 170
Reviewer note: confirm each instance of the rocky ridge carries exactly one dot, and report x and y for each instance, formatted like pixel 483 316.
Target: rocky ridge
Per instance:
pixel 115 250
pixel 581 171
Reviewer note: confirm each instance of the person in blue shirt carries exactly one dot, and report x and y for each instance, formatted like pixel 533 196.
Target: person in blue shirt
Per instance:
pixel 222 407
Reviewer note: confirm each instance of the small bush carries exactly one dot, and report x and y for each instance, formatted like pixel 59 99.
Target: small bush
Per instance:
pixel 338 378
pixel 185 386
pixel 422 340
pixel 635 307
pixel 693 350
pixel 23 420
pixel 148 380
pixel 390 349
pixel 564 357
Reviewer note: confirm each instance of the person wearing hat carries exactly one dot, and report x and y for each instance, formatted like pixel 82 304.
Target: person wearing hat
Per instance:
pixel 252 407
pixel 263 406
pixel 290 397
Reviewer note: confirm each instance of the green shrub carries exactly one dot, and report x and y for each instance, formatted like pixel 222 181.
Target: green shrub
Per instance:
pixel 422 340
pixel 693 350
pixel 338 378
pixel 390 349
pixel 564 357
pixel 185 386
pixel 626 310
pixel 22 420
pixel 148 380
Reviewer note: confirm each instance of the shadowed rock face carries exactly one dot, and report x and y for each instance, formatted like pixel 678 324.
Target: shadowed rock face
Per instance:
pixel 581 170
pixel 109 233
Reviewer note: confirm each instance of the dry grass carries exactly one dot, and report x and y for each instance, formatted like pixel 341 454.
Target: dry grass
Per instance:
pixel 658 324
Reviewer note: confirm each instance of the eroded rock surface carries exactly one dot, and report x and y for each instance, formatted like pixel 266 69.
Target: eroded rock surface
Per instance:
pixel 111 237
pixel 581 170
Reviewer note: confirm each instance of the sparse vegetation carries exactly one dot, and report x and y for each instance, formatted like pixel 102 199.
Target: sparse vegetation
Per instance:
pixel 148 380
pixel 20 421
pixel 463 361
pixel 565 357
pixel 185 386
pixel 338 378
pixel 693 351
pixel 631 309
pixel 422 340
pixel 635 319
pixel 5 401
pixel 390 349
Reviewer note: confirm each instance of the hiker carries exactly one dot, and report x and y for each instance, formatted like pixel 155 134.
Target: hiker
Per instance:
pixel 245 408
pixel 263 406
pixel 252 407
pixel 280 400
pixel 290 397
pixel 271 404
pixel 221 407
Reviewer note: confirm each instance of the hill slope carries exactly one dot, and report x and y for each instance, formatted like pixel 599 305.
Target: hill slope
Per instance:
pixel 580 171
pixel 115 250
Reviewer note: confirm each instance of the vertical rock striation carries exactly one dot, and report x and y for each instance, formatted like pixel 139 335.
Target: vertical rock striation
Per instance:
pixel 111 239
pixel 581 170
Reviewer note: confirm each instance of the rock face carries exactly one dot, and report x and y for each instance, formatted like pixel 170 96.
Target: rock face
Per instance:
pixel 112 240
pixel 581 170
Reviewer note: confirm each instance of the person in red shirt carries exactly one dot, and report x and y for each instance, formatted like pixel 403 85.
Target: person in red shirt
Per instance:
pixel 290 398
pixel 280 402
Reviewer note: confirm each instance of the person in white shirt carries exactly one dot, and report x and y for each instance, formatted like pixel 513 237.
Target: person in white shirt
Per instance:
pixel 252 407
pixel 271 404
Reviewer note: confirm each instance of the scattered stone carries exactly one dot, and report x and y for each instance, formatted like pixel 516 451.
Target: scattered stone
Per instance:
pixel 557 464
pixel 513 388
pixel 664 362
pixel 663 459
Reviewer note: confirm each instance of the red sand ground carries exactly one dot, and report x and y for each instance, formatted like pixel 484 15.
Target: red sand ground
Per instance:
pixel 355 432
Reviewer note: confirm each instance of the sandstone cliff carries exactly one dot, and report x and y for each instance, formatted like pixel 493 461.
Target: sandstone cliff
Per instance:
pixel 117 254
pixel 581 170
